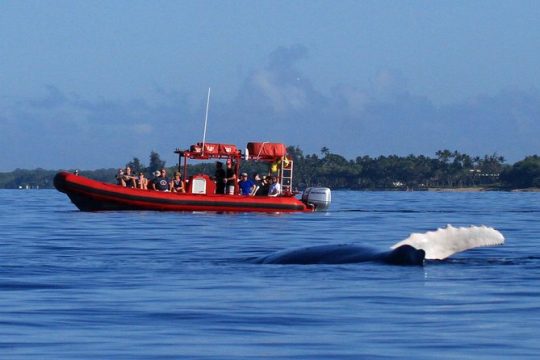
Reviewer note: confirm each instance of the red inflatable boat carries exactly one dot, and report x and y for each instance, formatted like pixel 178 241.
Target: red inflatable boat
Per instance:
pixel 200 195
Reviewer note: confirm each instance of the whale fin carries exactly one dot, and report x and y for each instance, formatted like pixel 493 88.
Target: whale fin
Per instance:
pixel 447 241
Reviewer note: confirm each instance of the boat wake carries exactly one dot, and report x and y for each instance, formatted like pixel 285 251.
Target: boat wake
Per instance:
pixel 414 250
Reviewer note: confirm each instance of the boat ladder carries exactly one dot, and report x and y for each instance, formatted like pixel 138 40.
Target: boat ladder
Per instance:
pixel 286 171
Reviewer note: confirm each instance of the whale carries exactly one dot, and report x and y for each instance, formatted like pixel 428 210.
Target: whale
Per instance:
pixel 414 250
pixel 345 254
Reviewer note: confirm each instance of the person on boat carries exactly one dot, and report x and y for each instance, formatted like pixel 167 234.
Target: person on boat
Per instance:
pixel 142 182
pixel 151 184
pixel 161 182
pixel 257 182
pixel 230 177
pixel 220 178
pixel 263 187
pixel 120 177
pixel 246 185
pixel 129 178
pixel 177 185
pixel 275 187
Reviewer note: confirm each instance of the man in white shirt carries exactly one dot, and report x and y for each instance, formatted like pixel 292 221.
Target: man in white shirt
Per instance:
pixel 275 187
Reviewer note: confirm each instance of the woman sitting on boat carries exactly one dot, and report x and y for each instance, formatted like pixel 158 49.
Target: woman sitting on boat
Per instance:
pixel 120 177
pixel 177 185
pixel 142 182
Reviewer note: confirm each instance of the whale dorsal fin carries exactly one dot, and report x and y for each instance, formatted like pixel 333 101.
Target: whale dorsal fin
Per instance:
pixel 445 242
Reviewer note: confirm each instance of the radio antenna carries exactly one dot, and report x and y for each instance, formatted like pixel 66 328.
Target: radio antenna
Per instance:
pixel 205 120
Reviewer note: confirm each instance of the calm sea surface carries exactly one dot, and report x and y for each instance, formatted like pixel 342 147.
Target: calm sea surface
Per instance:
pixel 151 285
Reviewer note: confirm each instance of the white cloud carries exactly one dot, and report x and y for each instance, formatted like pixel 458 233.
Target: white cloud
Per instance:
pixel 282 97
pixel 276 102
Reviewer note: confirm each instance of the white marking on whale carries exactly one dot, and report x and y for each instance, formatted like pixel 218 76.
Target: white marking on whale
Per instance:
pixel 445 242
pixel 438 244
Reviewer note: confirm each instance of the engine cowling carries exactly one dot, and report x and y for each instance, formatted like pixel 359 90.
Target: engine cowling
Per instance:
pixel 317 197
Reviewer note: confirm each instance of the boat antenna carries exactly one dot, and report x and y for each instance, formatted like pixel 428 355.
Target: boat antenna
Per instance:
pixel 205 121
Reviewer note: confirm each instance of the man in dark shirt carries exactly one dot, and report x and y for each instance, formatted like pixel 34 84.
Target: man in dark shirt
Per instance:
pixel 220 178
pixel 263 187
pixel 161 183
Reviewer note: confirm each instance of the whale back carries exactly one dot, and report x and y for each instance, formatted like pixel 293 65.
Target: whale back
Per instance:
pixel 323 254
pixel 444 242
pixel 344 254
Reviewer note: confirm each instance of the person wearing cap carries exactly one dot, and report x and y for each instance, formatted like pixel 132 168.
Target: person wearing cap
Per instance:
pixel 246 185
pixel 160 182
pixel 155 178
pixel 258 182
pixel 263 187
pixel 177 185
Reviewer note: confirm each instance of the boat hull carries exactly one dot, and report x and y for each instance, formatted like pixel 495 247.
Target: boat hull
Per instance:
pixel 91 195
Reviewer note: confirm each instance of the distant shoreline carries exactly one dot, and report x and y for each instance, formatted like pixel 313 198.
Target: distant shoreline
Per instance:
pixel 482 189
pixel 441 190
pixel 453 190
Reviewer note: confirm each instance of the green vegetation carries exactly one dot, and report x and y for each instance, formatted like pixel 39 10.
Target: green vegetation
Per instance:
pixel 523 174
pixel 446 170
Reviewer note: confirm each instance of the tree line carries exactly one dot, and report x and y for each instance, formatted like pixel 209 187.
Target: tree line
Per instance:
pixel 448 169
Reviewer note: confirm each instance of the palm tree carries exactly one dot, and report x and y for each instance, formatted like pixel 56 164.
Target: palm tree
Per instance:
pixel 325 151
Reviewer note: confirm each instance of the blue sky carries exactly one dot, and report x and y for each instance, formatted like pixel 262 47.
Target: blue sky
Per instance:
pixel 91 84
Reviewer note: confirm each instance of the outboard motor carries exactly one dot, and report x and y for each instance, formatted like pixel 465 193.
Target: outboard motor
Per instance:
pixel 317 197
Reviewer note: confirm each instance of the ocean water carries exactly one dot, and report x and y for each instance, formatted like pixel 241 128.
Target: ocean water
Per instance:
pixel 152 285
